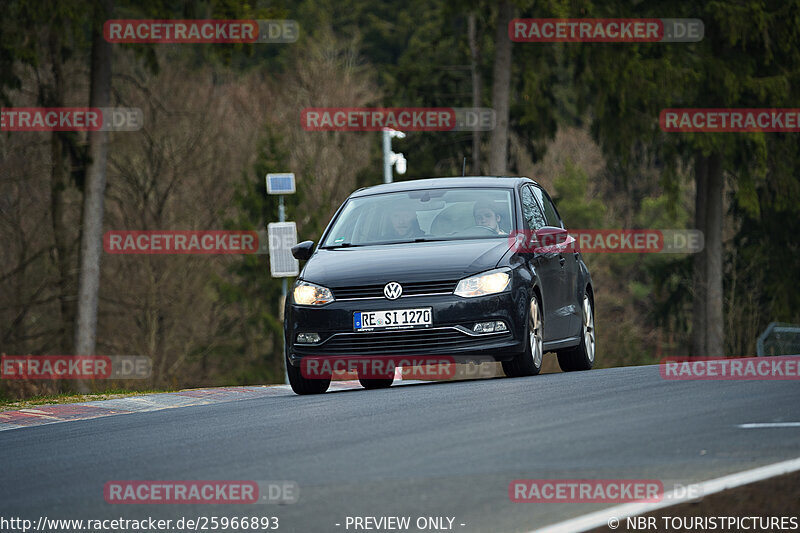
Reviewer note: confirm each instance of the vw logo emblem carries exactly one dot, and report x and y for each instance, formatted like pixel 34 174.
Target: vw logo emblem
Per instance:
pixel 393 290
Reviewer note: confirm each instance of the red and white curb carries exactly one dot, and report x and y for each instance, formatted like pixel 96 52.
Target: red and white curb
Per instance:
pixel 52 414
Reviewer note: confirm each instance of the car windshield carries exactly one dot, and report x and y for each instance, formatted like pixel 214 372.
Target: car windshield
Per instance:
pixel 421 215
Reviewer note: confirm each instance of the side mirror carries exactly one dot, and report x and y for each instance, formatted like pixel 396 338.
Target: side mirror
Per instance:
pixel 303 250
pixel 544 240
pixel 551 236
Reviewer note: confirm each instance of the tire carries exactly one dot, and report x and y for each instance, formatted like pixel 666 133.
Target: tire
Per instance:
pixel 582 356
pixel 376 383
pixel 529 362
pixel 301 385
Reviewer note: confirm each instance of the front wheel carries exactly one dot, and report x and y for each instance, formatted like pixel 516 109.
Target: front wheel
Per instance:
pixel 529 363
pixel 303 385
pixel 581 357
pixel 377 383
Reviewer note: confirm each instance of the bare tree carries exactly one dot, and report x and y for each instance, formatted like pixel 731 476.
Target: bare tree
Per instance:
pixel 715 338
pixel 708 319
pixel 472 36
pixel 179 172
pixel 699 296
pixel 498 147
pixel 326 162
pixel 94 191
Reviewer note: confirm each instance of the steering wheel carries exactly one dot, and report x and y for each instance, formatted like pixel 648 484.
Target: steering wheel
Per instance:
pixel 471 230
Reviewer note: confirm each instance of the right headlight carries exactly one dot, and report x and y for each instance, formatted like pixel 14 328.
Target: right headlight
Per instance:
pixel 310 294
pixel 483 284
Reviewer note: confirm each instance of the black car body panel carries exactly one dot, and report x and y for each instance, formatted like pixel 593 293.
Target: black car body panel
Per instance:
pixel 448 260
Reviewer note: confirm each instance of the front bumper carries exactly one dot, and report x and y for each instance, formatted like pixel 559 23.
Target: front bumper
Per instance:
pixel 451 333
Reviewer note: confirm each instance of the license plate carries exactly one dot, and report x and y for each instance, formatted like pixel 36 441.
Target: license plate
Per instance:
pixel 394 319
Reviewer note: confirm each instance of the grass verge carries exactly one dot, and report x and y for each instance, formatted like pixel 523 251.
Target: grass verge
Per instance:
pixel 54 399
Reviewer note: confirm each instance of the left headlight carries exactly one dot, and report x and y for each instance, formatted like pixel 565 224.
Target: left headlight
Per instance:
pixel 483 284
pixel 309 294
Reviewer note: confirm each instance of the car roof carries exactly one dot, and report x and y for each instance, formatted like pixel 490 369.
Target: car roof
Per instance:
pixel 439 183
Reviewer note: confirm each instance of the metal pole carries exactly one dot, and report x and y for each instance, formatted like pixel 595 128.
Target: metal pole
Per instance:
pixel 282 218
pixel 387 156
pixel 283 337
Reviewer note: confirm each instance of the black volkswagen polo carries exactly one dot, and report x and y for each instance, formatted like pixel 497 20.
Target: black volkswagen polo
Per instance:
pixel 435 267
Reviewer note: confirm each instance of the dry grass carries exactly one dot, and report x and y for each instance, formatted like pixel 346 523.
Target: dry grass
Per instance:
pixel 56 399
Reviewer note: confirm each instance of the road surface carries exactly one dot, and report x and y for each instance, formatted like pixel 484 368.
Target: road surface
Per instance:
pixel 428 450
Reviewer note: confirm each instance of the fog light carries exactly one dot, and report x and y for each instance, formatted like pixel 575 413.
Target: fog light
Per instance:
pixel 483 327
pixel 307 338
pixel 490 327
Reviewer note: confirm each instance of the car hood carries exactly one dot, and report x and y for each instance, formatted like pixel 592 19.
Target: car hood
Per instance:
pixel 425 261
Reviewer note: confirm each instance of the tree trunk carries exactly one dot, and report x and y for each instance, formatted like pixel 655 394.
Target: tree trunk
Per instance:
pixel 94 190
pixel 707 320
pixel 476 89
pixel 62 245
pixel 501 86
pixel 715 340
pixel 699 268
pixel 62 253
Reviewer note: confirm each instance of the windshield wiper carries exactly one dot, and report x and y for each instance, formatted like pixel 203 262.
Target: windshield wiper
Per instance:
pixel 418 239
pixel 342 245
pixel 350 245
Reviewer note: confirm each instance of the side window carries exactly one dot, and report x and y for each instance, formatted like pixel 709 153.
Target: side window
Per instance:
pixel 530 210
pixel 550 213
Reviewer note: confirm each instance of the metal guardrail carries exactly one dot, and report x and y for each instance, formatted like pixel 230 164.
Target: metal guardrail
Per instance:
pixel 779 338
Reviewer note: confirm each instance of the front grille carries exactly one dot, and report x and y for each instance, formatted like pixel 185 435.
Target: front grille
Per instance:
pixel 414 341
pixel 409 289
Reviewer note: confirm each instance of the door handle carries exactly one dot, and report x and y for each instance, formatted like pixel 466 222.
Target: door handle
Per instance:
pixel 561 261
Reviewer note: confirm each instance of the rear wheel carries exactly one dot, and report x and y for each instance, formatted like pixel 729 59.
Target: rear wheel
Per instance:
pixel 302 385
pixel 581 357
pixel 529 363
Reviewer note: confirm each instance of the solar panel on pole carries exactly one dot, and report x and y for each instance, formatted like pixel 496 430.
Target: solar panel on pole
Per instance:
pixel 280 183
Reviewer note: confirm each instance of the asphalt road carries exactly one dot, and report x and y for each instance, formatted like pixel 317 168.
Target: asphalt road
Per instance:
pixel 429 450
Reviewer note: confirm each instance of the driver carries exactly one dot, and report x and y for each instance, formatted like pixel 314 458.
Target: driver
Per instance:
pixel 486 215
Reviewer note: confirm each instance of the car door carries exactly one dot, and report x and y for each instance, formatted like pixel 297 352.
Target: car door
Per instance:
pixel 569 261
pixel 547 268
